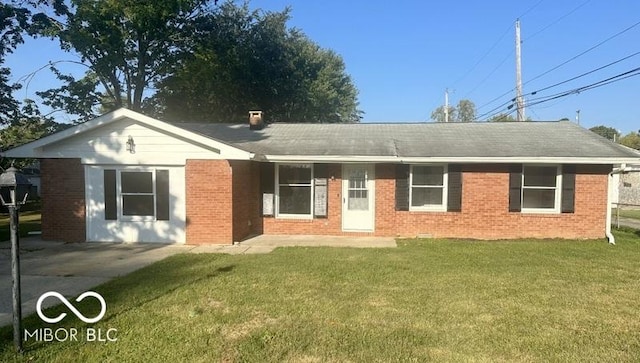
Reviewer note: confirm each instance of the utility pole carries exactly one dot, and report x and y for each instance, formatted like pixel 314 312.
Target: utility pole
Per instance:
pixel 446 105
pixel 519 99
pixel 578 117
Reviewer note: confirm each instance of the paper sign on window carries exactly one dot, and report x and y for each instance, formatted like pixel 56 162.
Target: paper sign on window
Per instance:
pixel 267 204
pixel 320 198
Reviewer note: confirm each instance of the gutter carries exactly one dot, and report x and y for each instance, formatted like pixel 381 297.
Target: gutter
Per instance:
pixel 622 169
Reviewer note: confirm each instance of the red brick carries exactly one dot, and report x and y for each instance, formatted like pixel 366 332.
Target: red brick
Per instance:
pixel 63 200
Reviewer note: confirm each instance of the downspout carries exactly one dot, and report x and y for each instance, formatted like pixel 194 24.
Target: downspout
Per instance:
pixel 610 237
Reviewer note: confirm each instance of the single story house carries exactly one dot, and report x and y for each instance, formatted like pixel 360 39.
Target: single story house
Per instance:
pixel 127 177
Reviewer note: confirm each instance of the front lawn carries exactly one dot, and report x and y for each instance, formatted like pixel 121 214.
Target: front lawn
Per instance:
pixel 628 213
pixel 442 300
pixel 29 221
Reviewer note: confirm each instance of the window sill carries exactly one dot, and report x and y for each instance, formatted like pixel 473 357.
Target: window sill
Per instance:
pixel 438 209
pixel 550 213
pixel 293 217
pixel 136 219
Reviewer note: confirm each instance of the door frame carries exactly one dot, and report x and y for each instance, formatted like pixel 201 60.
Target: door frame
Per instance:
pixel 371 186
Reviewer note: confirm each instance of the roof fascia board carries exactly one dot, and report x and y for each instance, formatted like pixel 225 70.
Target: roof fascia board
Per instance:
pixel 29 149
pixel 466 160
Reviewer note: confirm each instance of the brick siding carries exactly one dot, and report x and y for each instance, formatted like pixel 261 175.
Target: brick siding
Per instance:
pixel 63 200
pixel 484 215
pixel 209 202
pixel 247 201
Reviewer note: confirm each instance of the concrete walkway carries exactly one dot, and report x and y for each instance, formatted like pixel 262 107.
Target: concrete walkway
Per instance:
pixel 267 243
pixel 74 268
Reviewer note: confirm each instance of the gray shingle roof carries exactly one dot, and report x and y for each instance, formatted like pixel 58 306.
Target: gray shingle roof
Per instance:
pixel 482 139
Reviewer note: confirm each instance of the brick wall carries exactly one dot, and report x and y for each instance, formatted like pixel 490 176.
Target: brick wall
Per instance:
pixel 63 200
pixel 484 214
pixel 247 200
pixel 209 202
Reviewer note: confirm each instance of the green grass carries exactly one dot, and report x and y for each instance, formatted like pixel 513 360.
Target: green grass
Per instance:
pixel 628 213
pixel 442 300
pixel 29 221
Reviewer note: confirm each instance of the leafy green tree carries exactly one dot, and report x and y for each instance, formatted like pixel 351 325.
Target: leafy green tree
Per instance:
pixel 502 117
pixel 438 114
pixel 28 126
pixel 464 111
pixel 607 132
pixel 241 60
pixel 631 140
pixel 13 23
pixel 126 45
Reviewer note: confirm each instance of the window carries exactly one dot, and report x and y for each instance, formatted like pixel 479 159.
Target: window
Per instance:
pixel 295 190
pixel 136 189
pixel 136 195
pixel 428 189
pixel 540 189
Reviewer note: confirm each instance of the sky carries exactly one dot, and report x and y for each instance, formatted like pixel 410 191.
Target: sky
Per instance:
pixel 403 55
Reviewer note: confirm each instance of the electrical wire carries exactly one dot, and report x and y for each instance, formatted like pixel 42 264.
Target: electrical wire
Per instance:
pixel 539 100
pixel 586 73
pixel 561 64
pixel 583 53
pixel 483 56
pixel 556 21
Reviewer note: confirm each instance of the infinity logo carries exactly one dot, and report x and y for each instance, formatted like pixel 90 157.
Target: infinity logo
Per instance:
pixel 103 306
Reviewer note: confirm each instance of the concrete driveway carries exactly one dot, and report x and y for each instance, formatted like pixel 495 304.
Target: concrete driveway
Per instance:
pixel 74 268
pixel 70 269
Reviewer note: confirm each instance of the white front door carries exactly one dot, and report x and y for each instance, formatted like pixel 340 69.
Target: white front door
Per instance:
pixel 358 197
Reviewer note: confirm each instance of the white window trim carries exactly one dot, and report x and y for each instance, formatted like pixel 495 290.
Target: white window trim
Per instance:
pixel 277 193
pixel 445 192
pixel 121 215
pixel 558 191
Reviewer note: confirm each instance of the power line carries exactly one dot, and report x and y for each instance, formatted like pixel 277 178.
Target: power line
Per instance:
pixel 584 52
pixel 530 9
pixel 484 55
pixel 557 20
pixel 586 73
pixel 490 74
pixel 536 101
pixel 490 50
pixel 560 65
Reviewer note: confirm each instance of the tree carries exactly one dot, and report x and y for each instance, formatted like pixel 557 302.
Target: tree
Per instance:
pixel 438 114
pixel 607 132
pixel 465 111
pixel 13 22
pixel 631 140
pixel 241 60
pixel 505 117
pixel 126 45
pixel 28 126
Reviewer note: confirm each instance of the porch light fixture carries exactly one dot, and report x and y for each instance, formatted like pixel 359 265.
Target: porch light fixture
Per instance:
pixel 14 190
pixel 131 145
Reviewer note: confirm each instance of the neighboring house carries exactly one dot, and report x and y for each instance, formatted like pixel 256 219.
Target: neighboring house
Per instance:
pixel 629 186
pixel 127 177
pixel 33 173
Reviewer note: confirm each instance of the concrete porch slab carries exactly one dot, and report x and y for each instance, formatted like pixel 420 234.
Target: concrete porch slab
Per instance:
pixel 319 241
